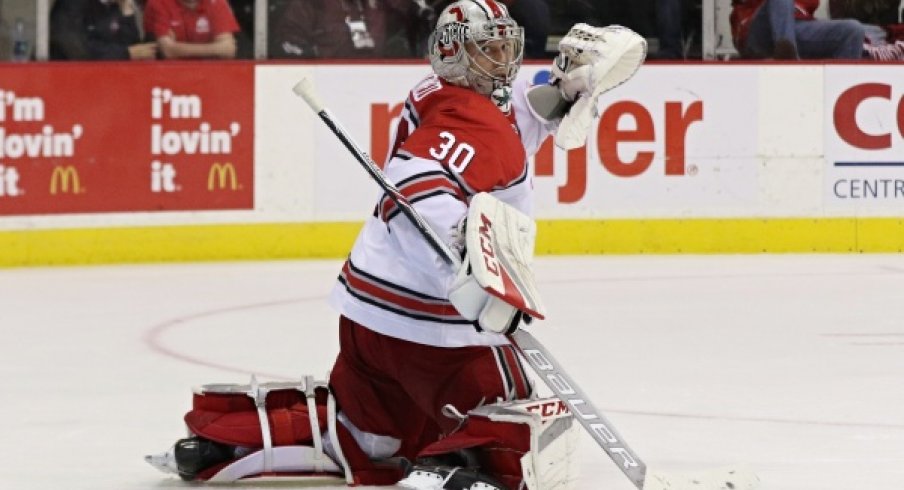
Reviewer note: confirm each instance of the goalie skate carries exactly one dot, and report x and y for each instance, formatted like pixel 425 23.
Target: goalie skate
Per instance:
pixel 448 478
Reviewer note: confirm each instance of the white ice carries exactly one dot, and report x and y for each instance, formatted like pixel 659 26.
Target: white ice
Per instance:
pixel 792 365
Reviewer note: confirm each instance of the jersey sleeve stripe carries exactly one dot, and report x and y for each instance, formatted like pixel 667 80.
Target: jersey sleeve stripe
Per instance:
pixel 357 271
pixel 421 186
pixel 397 299
pixel 463 184
pixel 395 211
pixel 410 113
pixel 521 178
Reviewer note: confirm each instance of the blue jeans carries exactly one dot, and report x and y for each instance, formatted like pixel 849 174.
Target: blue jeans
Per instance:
pixel 774 21
pixel 668 25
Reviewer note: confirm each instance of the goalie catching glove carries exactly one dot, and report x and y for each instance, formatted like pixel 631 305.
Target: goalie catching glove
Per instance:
pixel 495 285
pixel 591 61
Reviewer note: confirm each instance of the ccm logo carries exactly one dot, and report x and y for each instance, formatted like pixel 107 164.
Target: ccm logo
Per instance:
pixel 486 244
pixel 845 116
pixel 579 407
pixel 548 409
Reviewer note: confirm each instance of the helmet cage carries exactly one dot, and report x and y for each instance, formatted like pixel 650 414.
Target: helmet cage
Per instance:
pixel 455 46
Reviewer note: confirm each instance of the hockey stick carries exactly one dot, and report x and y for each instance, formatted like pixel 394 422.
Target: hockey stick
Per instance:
pixel 543 363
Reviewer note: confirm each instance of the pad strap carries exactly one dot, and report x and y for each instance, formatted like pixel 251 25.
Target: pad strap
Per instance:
pixel 315 423
pixel 334 439
pixel 285 459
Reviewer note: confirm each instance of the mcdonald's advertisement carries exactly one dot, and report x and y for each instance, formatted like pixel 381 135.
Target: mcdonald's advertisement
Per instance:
pixel 107 138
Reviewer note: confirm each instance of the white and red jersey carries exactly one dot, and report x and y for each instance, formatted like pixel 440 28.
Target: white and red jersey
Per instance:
pixel 449 144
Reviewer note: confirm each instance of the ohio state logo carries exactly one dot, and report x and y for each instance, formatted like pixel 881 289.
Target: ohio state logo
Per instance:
pixel 451 39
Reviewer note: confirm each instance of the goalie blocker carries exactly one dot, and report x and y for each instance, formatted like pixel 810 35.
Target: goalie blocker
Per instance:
pixel 495 281
pixel 293 430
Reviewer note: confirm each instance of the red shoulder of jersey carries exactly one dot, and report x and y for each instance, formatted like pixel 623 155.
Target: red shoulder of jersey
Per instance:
pixel 467 134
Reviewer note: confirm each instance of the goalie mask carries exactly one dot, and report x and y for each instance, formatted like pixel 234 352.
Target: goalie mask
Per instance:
pixel 476 44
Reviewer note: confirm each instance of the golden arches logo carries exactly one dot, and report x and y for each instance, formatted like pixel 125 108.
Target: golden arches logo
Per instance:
pixel 65 179
pixel 218 175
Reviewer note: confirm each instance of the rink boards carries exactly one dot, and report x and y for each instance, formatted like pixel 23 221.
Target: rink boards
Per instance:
pixel 113 162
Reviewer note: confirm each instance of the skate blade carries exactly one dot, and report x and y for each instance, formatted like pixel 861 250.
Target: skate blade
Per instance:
pixel 165 462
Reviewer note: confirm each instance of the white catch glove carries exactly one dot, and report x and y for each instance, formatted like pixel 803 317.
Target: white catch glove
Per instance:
pixel 592 60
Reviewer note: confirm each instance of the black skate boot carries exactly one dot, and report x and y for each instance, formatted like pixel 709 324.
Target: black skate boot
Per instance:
pixel 195 454
pixel 455 471
pixel 448 478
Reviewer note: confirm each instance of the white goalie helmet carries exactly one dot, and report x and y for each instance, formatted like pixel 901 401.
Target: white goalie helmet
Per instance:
pixel 477 44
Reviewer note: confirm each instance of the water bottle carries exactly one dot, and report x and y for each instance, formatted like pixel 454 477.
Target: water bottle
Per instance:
pixel 21 48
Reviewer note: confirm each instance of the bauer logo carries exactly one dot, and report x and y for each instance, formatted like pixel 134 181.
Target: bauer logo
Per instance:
pixel 580 408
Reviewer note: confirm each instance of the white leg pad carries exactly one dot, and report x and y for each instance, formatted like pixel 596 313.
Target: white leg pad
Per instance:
pixel 324 459
pixel 551 462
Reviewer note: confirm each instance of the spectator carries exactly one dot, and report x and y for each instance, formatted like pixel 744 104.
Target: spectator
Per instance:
pixel 533 16
pixel 244 38
pixel 876 12
pixel 787 29
pixel 669 20
pixel 350 29
pixel 637 15
pixel 191 28
pixel 883 23
pixel 96 30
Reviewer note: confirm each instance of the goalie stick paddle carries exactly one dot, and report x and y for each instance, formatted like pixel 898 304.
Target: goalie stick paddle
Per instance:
pixel 540 359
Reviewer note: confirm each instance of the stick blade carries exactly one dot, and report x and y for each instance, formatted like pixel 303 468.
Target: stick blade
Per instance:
pixel 728 478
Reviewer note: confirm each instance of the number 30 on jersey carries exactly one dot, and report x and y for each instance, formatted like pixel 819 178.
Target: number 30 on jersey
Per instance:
pixel 457 156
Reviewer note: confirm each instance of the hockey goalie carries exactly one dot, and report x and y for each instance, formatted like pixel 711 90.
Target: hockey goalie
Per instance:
pixel 427 392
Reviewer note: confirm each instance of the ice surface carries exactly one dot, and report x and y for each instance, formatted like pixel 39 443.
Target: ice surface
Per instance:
pixel 792 365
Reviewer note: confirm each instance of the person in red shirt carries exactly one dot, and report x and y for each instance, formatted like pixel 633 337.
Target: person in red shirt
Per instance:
pixel 191 28
pixel 787 29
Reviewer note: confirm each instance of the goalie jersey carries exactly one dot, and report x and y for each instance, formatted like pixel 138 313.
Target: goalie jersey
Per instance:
pixel 449 144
